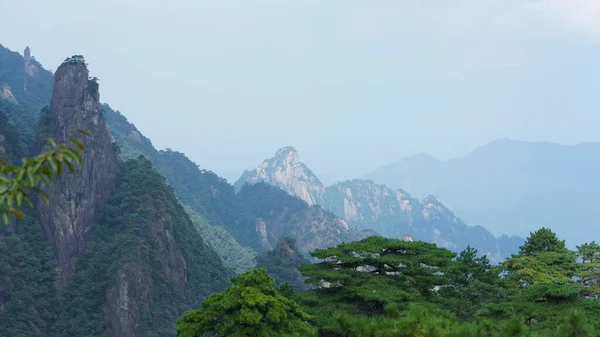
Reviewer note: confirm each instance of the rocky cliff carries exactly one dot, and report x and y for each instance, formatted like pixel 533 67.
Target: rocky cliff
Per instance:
pixel 78 198
pixel 286 171
pixel 144 265
pixel 366 205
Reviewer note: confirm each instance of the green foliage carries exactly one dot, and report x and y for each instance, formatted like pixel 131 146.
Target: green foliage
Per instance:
pixel 28 303
pixel 406 271
pixel 143 238
pixel 208 195
pixel 471 283
pixel 542 240
pixel 234 256
pixel 16 182
pixel 250 307
pixel 543 258
pixel 75 59
pixel 10 147
pixel 589 272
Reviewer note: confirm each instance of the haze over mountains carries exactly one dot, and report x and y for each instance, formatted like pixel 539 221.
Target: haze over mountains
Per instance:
pixel 511 186
pixel 138 235
pixel 367 205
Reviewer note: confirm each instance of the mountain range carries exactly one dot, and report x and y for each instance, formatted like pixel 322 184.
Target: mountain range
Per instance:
pixel 511 186
pixel 366 205
pixel 136 236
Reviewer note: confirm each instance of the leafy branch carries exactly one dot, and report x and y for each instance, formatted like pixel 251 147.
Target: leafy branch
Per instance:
pixel 16 182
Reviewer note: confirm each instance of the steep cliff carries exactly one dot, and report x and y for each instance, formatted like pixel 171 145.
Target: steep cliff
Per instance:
pixel 286 171
pixel 144 265
pixel 78 198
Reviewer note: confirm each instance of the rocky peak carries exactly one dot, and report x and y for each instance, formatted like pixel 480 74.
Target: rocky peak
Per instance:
pixel 31 68
pixel 27 54
pixel 286 171
pixel 77 198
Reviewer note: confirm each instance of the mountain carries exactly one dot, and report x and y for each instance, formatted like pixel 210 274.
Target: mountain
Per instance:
pixel 286 171
pixel 255 217
pixel 25 88
pixel 366 205
pixel 114 253
pixel 143 266
pixel 79 197
pixel 278 214
pixel 511 186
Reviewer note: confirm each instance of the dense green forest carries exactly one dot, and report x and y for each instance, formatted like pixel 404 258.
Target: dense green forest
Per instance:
pixel 390 287
pixel 141 220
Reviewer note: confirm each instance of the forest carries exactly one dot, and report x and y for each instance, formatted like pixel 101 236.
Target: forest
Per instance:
pixel 390 287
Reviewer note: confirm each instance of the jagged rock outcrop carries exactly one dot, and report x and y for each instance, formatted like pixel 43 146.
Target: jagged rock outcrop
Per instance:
pixel 77 199
pixel 285 170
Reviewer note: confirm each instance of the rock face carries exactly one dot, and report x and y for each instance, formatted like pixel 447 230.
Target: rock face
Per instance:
pixel 285 170
pixel 6 94
pixel 76 200
pixel 366 205
pixel 31 68
pixel 279 214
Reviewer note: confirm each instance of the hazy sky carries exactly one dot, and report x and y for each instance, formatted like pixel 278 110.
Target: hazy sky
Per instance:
pixel 353 85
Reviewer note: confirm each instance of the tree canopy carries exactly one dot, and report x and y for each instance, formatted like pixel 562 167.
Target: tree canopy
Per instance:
pixel 250 307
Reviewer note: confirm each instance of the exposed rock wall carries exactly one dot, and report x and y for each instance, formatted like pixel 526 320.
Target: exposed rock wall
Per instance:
pixel 77 198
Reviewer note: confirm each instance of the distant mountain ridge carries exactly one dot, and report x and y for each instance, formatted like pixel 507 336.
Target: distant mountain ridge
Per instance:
pixel 366 205
pixel 511 186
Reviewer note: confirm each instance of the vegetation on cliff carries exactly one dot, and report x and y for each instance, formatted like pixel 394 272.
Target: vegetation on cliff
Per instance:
pixel 175 272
